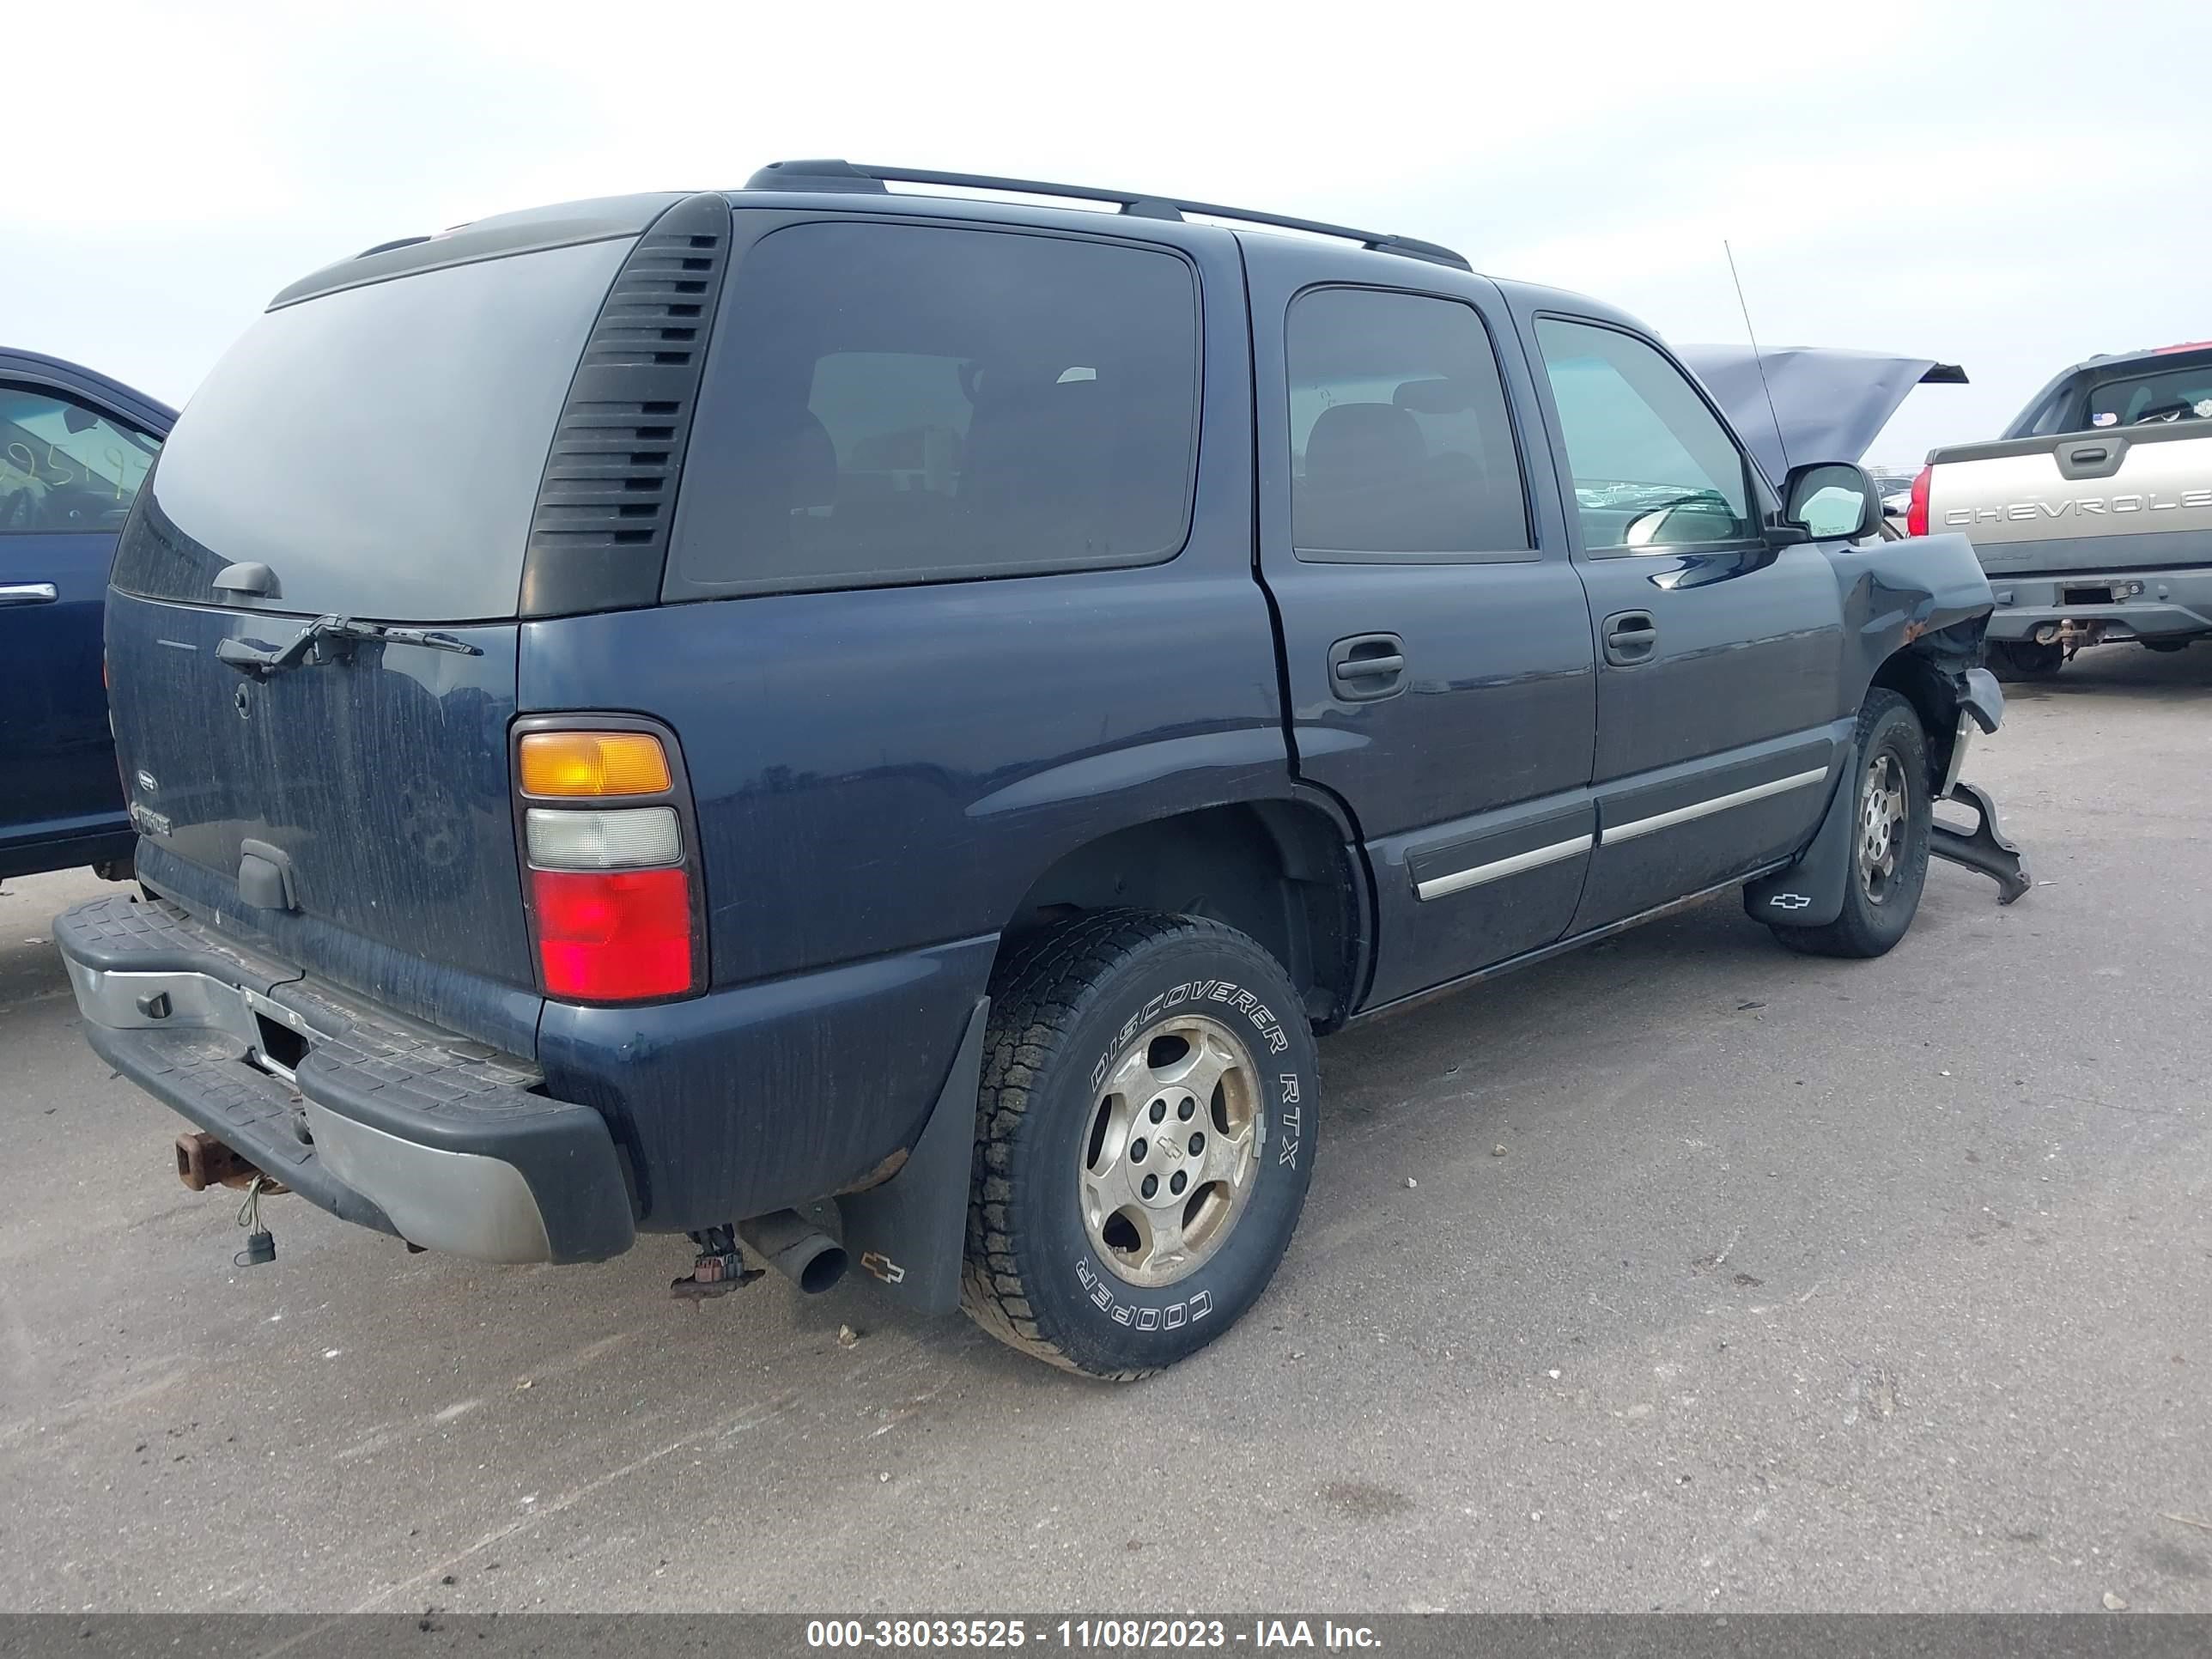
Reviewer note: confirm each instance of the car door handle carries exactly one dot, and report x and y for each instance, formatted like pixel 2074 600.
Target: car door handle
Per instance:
pixel 1629 638
pixel 1366 666
pixel 28 593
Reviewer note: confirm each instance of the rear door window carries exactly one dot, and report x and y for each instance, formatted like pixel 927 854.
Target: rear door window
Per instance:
pixel 894 404
pixel 379 448
pixel 1400 445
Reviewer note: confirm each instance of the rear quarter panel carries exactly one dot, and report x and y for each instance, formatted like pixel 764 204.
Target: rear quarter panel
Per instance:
pixel 879 776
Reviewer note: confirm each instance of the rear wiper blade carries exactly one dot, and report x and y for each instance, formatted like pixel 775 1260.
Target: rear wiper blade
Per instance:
pixel 327 639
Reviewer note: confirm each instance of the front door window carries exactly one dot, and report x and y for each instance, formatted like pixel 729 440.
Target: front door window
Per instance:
pixel 1654 467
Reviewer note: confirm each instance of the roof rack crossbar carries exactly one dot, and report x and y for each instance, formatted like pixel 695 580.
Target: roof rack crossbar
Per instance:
pixel 851 177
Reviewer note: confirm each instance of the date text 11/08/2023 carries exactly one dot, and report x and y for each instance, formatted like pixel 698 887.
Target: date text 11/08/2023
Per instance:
pixel 1081 1635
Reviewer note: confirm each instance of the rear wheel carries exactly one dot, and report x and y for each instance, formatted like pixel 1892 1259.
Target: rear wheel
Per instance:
pixel 1145 1137
pixel 2024 659
pixel 1890 837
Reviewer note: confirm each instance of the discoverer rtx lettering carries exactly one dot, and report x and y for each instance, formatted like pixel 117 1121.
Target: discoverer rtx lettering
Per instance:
pixel 1197 990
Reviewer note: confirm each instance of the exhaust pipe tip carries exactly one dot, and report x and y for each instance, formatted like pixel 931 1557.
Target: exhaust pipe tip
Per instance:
pixel 822 1269
pixel 797 1248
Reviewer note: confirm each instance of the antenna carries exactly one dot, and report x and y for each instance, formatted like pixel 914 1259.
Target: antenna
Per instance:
pixel 1757 358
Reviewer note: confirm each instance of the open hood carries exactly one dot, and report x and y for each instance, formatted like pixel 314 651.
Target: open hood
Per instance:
pixel 1829 404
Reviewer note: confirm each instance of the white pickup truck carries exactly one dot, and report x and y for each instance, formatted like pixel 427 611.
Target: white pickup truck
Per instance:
pixel 2092 514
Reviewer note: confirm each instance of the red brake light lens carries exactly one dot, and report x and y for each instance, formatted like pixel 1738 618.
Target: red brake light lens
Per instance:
pixel 1916 515
pixel 614 935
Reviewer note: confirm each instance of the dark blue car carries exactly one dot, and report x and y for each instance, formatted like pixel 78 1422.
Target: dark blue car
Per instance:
pixel 74 446
pixel 871 725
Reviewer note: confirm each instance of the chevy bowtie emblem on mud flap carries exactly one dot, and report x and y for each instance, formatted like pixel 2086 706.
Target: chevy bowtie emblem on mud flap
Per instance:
pixel 881 1267
pixel 1789 901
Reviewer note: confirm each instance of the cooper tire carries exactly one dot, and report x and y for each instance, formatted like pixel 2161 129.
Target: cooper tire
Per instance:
pixel 1881 891
pixel 1046 1271
pixel 2016 661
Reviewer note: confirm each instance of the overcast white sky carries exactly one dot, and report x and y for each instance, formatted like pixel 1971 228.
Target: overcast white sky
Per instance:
pixel 2011 186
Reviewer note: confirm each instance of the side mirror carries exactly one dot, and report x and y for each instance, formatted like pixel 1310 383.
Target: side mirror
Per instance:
pixel 1832 500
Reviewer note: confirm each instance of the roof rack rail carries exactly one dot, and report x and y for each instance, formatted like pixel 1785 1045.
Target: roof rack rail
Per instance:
pixel 851 177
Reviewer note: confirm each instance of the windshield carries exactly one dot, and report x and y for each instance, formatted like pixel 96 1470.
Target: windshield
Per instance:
pixel 379 448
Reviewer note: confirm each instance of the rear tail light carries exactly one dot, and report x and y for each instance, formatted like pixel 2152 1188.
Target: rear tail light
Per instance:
pixel 613 936
pixel 1916 513
pixel 613 888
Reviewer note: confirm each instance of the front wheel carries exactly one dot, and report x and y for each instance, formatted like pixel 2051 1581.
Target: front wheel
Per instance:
pixel 1144 1134
pixel 1889 837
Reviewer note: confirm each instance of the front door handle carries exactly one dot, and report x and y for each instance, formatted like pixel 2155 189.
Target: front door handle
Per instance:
pixel 1631 637
pixel 28 593
pixel 1367 666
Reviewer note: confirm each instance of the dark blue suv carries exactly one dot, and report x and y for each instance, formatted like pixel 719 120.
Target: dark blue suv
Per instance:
pixel 880 727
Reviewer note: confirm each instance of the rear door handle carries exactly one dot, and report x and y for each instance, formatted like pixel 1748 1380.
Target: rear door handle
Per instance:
pixel 1631 637
pixel 1366 666
pixel 29 594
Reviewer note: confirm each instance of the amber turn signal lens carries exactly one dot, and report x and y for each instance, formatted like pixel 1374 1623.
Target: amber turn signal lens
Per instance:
pixel 593 764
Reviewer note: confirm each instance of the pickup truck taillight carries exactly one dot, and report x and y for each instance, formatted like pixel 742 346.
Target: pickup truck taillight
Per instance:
pixel 610 870
pixel 1916 513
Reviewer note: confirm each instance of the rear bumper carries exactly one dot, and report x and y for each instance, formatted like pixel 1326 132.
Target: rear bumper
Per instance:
pixel 441 1141
pixel 2144 604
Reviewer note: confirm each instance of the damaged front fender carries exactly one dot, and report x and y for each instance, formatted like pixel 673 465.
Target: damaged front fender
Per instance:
pixel 1914 612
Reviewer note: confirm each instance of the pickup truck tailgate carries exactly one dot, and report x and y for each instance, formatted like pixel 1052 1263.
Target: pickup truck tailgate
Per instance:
pixel 2115 500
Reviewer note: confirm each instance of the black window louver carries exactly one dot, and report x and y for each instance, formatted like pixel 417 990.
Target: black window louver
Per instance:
pixel 598 536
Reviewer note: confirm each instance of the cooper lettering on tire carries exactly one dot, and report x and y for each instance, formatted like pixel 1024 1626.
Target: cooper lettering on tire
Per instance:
pixel 1145 1135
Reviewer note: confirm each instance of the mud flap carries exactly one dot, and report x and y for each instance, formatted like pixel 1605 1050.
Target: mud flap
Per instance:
pixel 1809 893
pixel 910 1234
pixel 1983 847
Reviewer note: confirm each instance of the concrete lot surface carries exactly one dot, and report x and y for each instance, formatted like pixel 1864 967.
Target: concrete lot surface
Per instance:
pixel 1796 1284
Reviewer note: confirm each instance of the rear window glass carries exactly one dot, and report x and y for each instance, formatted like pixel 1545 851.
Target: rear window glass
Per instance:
pixel 2173 394
pixel 378 448
pixel 903 402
